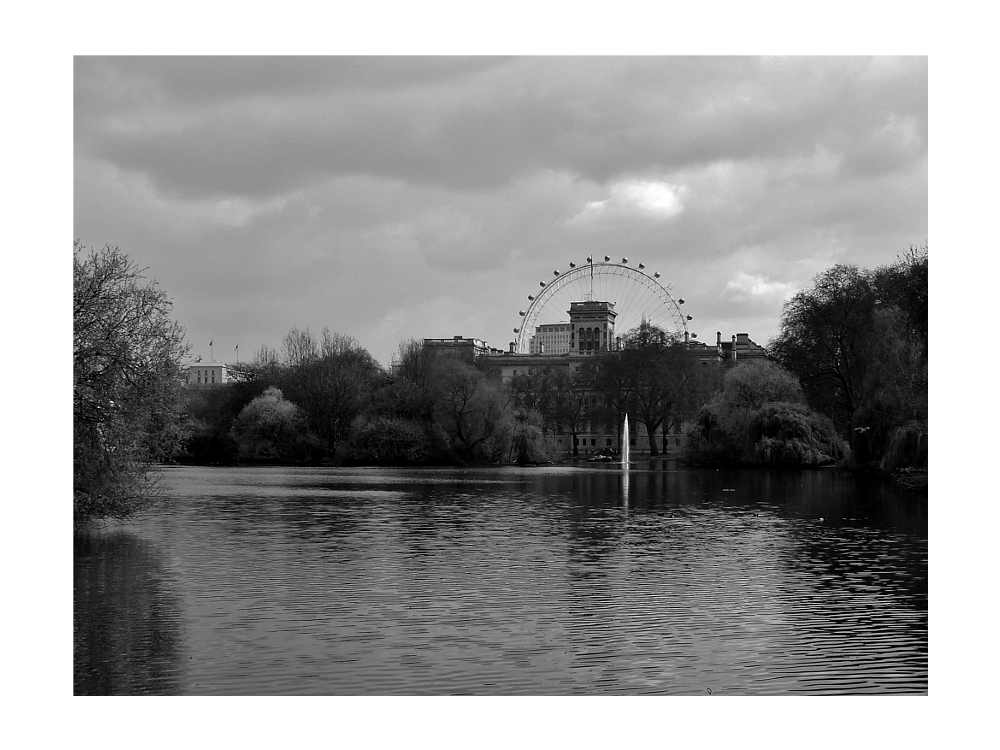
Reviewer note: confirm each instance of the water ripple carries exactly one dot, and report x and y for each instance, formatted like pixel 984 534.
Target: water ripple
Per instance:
pixel 280 581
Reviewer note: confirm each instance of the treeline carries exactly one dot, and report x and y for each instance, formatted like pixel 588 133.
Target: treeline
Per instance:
pixel 847 383
pixel 326 399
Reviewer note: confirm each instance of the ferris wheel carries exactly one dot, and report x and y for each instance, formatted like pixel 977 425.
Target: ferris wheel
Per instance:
pixel 636 294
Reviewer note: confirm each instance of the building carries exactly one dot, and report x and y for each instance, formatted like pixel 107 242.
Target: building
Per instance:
pixel 566 347
pixel 468 349
pixel 207 373
pixel 592 327
pixel 740 349
pixel 551 338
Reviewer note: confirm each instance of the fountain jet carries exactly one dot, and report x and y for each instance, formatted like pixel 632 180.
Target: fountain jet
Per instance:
pixel 625 446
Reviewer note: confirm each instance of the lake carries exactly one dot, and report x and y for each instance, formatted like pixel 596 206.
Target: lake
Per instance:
pixel 561 580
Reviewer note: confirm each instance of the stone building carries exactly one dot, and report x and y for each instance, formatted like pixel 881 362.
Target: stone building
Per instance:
pixel 207 373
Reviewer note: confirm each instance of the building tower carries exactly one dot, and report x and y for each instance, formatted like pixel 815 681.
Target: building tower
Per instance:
pixel 592 327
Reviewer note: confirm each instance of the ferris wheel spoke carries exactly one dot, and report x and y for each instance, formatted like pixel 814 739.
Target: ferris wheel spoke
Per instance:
pixel 635 294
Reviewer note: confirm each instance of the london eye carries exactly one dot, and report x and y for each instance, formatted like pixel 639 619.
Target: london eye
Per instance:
pixel 637 295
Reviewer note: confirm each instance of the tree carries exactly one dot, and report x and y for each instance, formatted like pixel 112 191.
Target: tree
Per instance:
pixel 760 417
pixel 858 342
pixel 474 408
pixel 126 385
pixel 822 340
pixel 332 381
pixel 271 427
pixel 658 372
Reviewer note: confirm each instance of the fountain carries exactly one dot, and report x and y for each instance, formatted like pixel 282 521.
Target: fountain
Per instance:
pixel 625 446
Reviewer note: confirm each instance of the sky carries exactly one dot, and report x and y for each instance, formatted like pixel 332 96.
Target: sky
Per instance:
pixel 390 198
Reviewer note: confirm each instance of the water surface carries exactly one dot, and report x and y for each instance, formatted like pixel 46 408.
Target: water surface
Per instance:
pixel 559 580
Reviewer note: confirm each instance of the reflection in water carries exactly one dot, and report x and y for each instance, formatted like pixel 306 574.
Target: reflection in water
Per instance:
pixel 503 581
pixel 126 634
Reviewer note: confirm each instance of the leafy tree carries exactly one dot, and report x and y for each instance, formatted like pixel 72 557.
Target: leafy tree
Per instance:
pixel 858 342
pixel 754 383
pixel 332 381
pixel 126 385
pixel 792 434
pixel 609 376
pixel 411 362
pixel 271 427
pixel 658 375
pixel 528 442
pixel 823 340
pixel 475 410
pixel 760 417
pixel 392 440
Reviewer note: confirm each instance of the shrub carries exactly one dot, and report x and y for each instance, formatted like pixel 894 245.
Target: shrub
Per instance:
pixel 791 434
pixel 273 428
pixel 907 448
pixel 383 440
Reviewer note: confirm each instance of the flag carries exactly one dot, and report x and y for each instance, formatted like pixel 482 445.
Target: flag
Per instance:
pixel 209 343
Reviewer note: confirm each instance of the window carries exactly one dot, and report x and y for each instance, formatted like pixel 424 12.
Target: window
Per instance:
pixel 631 442
pixel 608 441
pixel 593 441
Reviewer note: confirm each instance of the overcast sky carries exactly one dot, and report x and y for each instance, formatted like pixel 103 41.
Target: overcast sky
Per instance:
pixel 396 198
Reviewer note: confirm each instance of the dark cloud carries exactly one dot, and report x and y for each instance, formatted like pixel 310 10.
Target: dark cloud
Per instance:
pixel 397 197
pixel 274 124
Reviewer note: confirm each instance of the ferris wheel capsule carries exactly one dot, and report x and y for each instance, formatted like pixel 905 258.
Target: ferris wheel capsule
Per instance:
pixel 641 266
pixel 572 265
pixel 556 272
pixel 607 258
pixel 531 296
pixel 680 301
pixel 590 258
pixel 689 317
pixel 517 330
pixel 624 261
pixel 541 283
pixel 521 313
pixel 656 275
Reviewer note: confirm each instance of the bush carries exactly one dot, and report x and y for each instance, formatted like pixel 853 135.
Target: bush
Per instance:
pixel 273 428
pixel 382 440
pixel 528 440
pixel 792 435
pixel 907 448
pixel 776 434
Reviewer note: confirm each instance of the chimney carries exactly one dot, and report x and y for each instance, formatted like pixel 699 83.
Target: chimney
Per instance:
pixel 718 338
pixel 511 347
pixel 734 347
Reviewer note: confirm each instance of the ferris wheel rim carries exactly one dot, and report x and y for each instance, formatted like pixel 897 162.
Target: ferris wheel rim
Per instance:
pixel 608 268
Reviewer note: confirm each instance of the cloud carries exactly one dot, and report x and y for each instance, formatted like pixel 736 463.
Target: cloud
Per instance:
pixel 631 200
pixel 395 197
pixel 755 286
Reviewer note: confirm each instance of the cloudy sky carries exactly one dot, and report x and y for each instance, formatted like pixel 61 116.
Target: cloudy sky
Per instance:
pixel 391 198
